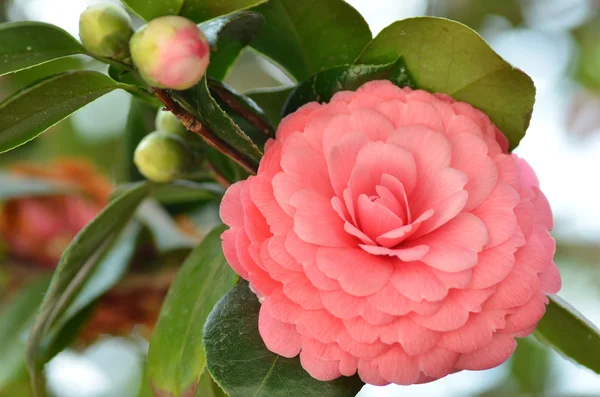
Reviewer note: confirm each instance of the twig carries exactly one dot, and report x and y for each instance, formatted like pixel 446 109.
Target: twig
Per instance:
pixel 194 125
pixel 231 101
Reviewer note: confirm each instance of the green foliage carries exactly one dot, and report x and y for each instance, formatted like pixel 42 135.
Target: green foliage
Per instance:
pixel 176 358
pixel 241 364
pixel 321 86
pixel 448 57
pixel 16 317
pixel 208 388
pixel 567 331
pixel 77 264
pixel 271 101
pixel 27 44
pixel 227 36
pixel 306 37
pixel 34 109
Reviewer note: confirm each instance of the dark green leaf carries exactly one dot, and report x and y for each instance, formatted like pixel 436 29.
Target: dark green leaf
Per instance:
pixel 208 388
pixel 79 261
pixel 186 191
pixel 27 44
pixel 176 357
pixel 167 235
pixel 16 317
pixel 240 363
pixel 227 36
pixel 12 186
pixel 38 107
pixel 306 37
pixel 448 57
pixel 149 9
pixel 321 86
pixel 271 101
pixel 203 10
pixel 570 333
pixel 200 102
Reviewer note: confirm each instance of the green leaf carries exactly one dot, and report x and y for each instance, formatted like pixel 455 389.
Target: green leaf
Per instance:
pixel 448 57
pixel 570 333
pixel 165 232
pixel 200 102
pixel 176 357
pixel 186 191
pixel 208 388
pixel 16 317
pixel 531 367
pixel 271 101
pixel 149 9
pixel 38 107
pixel 12 186
pixel 306 37
pixel 79 261
pixel 321 86
pixel 27 44
pixel 227 36
pixel 241 364
pixel 203 10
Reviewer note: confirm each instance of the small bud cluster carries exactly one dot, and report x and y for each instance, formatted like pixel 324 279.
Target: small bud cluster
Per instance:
pixel 169 52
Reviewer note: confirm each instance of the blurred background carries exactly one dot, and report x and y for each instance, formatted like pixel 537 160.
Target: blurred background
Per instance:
pixel 557 42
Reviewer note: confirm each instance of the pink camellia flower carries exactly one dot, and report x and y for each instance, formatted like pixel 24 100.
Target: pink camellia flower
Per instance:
pixel 389 232
pixel 170 52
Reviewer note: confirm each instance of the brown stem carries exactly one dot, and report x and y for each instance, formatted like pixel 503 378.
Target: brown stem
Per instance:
pixel 231 101
pixel 194 125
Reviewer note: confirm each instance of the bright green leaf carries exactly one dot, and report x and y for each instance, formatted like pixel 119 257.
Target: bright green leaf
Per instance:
pixel 79 261
pixel 27 44
pixel 200 102
pixel 176 357
pixel 34 109
pixel 321 86
pixel 12 186
pixel 208 388
pixel 241 364
pixel 150 9
pixel 271 101
pixel 16 317
pixel 448 57
pixel 570 333
pixel 306 37
pixel 203 10
pixel 227 36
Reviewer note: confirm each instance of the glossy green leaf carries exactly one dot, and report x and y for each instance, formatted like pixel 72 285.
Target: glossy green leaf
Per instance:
pixel 16 317
pixel 570 333
pixel 199 101
pixel 448 57
pixel 306 37
pixel 321 86
pixel 150 9
pixel 41 105
pixel 26 44
pixel 208 388
pixel 227 36
pixel 176 357
pixel 271 101
pixel 241 364
pixel 186 191
pixel 12 186
pixel 203 10
pixel 79 261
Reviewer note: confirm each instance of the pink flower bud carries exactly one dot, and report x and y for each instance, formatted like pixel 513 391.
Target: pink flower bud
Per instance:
pixel 170 52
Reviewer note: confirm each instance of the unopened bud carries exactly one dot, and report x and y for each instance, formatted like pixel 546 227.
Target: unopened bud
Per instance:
pixel 105 30
pixel 168 122
pixel 170 52
pixel 163 157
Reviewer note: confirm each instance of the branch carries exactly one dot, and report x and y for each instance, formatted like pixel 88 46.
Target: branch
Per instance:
pixel 194 125
pixel 233 102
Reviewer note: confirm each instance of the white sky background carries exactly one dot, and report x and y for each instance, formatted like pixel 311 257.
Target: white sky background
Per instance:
pixel 567 168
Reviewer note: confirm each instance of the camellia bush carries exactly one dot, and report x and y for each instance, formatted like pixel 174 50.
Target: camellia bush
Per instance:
pixel 377 229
